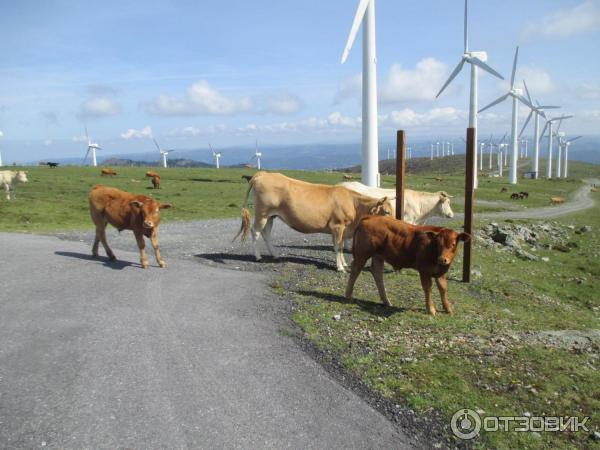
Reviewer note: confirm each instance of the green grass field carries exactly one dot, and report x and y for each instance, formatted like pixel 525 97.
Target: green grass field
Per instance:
pixel 479 358
pixel 56 199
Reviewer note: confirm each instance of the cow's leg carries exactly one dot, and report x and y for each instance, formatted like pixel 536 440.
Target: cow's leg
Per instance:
pixel 266 234
pixel 154 241
pixel 107 249
pixel 357 266
pixel 377 271
pixel 139 237
pixel 337 234
pixel 426 283
pixel 96 242
pixel 442 284
pixel 257 228
pixel 7 190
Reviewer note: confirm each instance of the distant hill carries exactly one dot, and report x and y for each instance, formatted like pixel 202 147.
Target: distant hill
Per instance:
pixel 173 162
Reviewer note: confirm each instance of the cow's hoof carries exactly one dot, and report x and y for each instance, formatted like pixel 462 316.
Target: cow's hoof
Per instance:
pixel 112 258
pixel 145 265
pixel 162 264
pixel 433 312
pixel 341 269
pixel 95 255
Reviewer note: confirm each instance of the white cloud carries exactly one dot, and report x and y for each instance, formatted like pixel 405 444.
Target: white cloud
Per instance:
pixel 48 142
pixel 1 134
pixel 191 131
pixel 567 22
pixel 420 84
pixel 99 107
pixel 200 99
pixel 434 117
pixel 132 133
pixel 283 104
pixel 81 138
pixel 539 82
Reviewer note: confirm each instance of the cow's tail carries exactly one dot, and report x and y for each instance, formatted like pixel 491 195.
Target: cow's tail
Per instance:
pixel 245 226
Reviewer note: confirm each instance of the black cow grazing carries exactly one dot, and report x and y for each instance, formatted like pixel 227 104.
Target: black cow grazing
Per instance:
pixel 515 196
pixel 52 165
pixel 523 194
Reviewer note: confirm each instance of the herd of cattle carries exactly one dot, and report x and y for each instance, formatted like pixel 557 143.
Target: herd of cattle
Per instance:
pixel 349 210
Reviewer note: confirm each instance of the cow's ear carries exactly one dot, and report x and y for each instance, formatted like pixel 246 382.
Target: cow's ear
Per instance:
pixel 465 237
pixel 136 203
pixel 382 201
pixel 165 206
pixel 430 233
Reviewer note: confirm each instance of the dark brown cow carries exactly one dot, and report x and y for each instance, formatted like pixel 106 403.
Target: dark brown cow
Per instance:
pixel 126 211
pixel 109 172
pixel 429 250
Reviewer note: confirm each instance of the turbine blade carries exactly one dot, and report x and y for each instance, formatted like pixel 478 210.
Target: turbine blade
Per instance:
pixel 526 122
pixel 484 66
pixel 574 139
pixel 527 92
pixel 544 130
pixel 86 155
pixel 360 12
pixel 494 103
pixel 503 138
pixel 87 136
pixel 157 146
pixel 525 101
pixel 466 30
pixel 514 69
pixel 455 72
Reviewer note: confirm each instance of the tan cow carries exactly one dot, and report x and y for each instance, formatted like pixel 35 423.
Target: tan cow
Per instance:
pixel 418 205
pixel 307 208
pixel 126 211
pixel 108 171
pixel 9 178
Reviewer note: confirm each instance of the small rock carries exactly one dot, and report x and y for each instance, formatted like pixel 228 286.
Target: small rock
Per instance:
pixel 43 443
pixel 585 229
pixel 527 414
pixel 524 255
pixel 545 259
pixel 480 411
pixel 476 273
pixel 571 227
pixel 337 316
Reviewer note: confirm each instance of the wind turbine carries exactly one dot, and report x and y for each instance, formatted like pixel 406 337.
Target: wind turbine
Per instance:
pixel 561 137
pixel 548 125
pixel 517 95
pixel 216 156
pixel 491 149
pixel 567 144
pixel 92 147
pixel 257 155
pixel 477 60
pixel 538 111
pixel 163 153
pixel 365 13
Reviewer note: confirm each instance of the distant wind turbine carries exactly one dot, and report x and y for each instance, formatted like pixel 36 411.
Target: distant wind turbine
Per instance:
pixel 257 156
pixel 548 125
pixel 91 147
pixel 517 96
pixel 365 14
pixel 163 153
pixel 567 144
pixel 216 156
pixel 476 60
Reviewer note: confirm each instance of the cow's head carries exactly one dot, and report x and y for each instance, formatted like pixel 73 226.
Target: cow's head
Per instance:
pixel 149 210
pixel 445 243
pixel 444 204
pixel 22 176
pixel 383 207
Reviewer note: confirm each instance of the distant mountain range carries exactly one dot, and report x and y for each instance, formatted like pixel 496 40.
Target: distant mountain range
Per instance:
pixel 311 156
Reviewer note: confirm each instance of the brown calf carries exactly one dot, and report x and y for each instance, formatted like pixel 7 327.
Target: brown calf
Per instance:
pixel 108 171
pixel 429 250
pixel 126 211
pixel 557 200
pixel 156 182
pixel 151 174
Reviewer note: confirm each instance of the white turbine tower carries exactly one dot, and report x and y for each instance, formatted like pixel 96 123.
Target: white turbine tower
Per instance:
pixel 257 156
pixel 216 156
pixel 517 96
pixel 365 13
pixel 1 135
pixel 548 125
pixel 561 139
pixel 538 111
pixel 477 60
pixel 163 154
pixel 566 145
pixel 91 147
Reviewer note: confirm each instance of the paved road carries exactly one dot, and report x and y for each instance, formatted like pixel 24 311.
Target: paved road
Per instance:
pixel 97 355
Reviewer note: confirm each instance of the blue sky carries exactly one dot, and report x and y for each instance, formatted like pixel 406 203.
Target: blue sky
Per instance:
pixel 230 72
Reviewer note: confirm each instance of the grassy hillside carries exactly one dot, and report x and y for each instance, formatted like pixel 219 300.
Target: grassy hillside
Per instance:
pixel 56 199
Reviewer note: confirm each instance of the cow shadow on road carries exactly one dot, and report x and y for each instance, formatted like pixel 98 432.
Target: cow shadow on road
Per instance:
pixel 115 265
pixel 377 309
pixel 230 258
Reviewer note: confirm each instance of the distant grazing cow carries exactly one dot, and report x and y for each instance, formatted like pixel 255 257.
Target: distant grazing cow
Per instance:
pixel 439 179
pixel 523 194
pixel 109 172
pixel 515 196
pixel 429 250
pixel 348 177
pixel 9 178
pixel 418 206
pixel 557 200
pixel 151 174
pixel 126 211
pixel 52 165
pixel 307 208
pixel 593 189
pixel 156 182
pixel 504 189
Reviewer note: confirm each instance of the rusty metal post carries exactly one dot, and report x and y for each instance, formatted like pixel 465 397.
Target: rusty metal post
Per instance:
pixel 469 199
pixel 400 172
